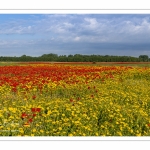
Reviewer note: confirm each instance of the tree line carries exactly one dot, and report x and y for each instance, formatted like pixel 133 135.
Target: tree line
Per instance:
pixel 76 58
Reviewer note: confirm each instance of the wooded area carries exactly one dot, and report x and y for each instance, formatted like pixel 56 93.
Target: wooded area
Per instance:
pixel 76 58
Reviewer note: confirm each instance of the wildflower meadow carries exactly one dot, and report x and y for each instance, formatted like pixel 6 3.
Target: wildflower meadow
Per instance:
pixel 48 99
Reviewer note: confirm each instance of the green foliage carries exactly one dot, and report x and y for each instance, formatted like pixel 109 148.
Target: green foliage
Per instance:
pixel 143 58
pixel 76 58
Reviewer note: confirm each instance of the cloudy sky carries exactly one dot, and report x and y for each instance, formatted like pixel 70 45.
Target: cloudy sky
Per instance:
pixel 103 34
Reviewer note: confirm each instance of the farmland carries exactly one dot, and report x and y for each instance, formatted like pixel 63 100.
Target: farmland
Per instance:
pixel 74 99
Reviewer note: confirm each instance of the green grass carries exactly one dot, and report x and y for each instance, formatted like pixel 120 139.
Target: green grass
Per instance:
pixel 96 64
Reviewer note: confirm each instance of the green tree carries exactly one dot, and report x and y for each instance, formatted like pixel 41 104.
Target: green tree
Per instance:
pixel 144 58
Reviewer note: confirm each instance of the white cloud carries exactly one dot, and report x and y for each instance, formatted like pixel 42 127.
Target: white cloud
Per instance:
pixel 131 28
pixel 17 29
pixel 59 29
pixel 77 38
pixel 29 27
pixel 92 22
pixel 68 25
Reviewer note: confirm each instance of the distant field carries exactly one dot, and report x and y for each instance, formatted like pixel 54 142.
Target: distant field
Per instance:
pixel 135 64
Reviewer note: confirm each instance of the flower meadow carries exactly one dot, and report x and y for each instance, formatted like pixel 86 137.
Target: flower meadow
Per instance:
pixel 74 100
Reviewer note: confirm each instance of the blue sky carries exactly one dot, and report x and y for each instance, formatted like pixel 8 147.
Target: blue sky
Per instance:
pixel 103 34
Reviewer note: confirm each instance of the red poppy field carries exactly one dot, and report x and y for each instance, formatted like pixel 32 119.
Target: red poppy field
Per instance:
pixel 62 99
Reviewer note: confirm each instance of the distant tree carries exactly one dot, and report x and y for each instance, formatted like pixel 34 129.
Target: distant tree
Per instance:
pixel 49 57
pixel 143 57
pixel 76 58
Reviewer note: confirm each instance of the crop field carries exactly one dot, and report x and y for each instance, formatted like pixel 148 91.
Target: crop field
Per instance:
pixel 69 99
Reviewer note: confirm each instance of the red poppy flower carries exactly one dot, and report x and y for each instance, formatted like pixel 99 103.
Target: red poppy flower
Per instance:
pixel 34 115
pixel 14 89
pixel 149 124
pixel 71 100
pixel 35 109
pixel 92 96
pixel 78 98
pixel 24 115
pixel 30 120
pixel 33 97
